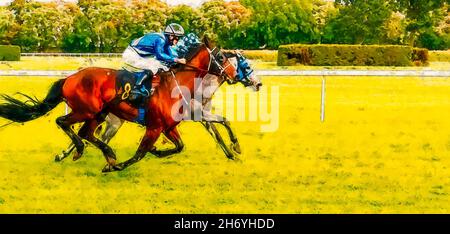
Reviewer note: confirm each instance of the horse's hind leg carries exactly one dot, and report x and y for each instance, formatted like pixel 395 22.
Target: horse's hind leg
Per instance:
pixel 173 135
pixel 113 123
pixel 65 122
pixel 87 132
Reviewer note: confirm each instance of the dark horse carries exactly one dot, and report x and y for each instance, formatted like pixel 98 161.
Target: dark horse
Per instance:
pixel 92 94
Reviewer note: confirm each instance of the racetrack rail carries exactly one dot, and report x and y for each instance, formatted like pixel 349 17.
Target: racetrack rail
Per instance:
pixel 324 72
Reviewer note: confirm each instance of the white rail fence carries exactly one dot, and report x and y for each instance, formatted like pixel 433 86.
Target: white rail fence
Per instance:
pixel 386 73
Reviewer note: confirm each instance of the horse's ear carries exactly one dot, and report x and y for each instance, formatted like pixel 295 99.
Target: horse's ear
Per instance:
pixel 206 41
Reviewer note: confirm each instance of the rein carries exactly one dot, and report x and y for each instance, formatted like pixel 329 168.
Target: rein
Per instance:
pixel 212 59
pixel 194 68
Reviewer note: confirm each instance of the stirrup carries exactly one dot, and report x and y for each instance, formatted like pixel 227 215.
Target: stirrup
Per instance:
pixel 140 91
pixel 143 91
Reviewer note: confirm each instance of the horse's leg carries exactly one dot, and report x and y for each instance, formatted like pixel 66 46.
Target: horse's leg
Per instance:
pixel 65 153
pixel 87 132
pixel 215 133
pixel 146 145
pixel 234 141
pixel 173 135
pixel 65 122
pixel 113 123
pixel 212 118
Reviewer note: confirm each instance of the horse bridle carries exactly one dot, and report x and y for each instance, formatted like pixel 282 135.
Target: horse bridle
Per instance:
pixel 222 69
pixel 213 60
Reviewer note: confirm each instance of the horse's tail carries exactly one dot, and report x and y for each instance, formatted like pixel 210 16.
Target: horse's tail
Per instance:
pixel 19 111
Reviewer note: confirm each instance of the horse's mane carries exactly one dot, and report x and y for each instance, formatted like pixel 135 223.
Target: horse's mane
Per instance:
pixel 193 50
pixel 188 47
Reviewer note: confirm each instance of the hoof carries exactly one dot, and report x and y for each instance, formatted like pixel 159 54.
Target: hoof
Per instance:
pixel 110 168
pixel 60 157
pixel 76 156
pixel 236 148
pixel 231 157
pixel 119 167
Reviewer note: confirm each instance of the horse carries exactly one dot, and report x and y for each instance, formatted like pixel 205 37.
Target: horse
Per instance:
pixel 91 94
pixel 246 76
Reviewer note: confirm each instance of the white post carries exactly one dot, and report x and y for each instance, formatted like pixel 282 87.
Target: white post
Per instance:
pixel 67 109
pixel 322 104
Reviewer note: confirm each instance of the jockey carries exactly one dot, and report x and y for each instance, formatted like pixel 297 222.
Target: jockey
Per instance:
pixel 150 53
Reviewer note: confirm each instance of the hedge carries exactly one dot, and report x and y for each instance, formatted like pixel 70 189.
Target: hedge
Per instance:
pixel 9 53
pixel 351 55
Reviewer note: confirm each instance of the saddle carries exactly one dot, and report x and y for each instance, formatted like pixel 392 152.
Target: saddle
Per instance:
pixel 125 81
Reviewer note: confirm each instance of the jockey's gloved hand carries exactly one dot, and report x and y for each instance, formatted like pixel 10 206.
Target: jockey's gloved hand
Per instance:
pixel 180 60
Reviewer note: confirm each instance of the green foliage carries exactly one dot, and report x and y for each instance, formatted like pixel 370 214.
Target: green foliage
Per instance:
pixel 432 40
pixel 8 26
pixel 79 39
pixel 345 55
pixel 109 26
pixel 42 27
pixel 187 17
pixel 358 22
pixel 9 53
pixel 276 22
pixel 421 15
pixel 395 29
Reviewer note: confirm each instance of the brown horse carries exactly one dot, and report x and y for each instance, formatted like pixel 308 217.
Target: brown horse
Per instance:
pixel 91 94
pixel 246 76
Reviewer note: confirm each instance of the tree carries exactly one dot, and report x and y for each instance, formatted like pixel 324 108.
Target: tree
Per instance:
pixel 275 22
pixel 323 11
pixel 214 18
pixel 224 21
pixel 79 37
pixel 395 29
pixel 43 26
pixel 238 20
pixel 8 26
pixel 187 17
pixel 147 16
pixel 109 23
pixel 358 22
pixel 421 16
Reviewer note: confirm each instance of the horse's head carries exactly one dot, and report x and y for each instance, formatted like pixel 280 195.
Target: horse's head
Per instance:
pixel 230 66
pixel 245 74
pixel 233 67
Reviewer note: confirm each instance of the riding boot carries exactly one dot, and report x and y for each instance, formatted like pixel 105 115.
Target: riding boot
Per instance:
pixel 139 93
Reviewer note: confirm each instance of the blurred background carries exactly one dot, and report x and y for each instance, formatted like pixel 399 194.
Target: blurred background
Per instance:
pixel 108 26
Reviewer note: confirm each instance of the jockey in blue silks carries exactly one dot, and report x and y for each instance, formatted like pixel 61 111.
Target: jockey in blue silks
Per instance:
pixel 148 54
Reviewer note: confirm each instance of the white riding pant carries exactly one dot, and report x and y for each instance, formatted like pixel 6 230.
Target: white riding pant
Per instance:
pixel 134 62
